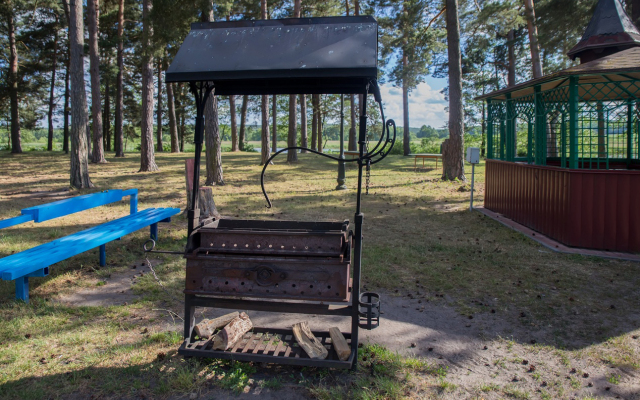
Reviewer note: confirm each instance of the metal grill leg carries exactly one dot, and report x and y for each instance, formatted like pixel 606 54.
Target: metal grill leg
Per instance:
pixel 189 311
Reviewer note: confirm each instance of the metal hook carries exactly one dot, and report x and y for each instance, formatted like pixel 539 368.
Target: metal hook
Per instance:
pixel 153 245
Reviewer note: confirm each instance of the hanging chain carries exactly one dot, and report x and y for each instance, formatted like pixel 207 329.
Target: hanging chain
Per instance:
pixel 368 170
pixel 160 282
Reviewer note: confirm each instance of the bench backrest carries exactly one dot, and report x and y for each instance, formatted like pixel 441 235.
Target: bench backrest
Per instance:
pixel 45 212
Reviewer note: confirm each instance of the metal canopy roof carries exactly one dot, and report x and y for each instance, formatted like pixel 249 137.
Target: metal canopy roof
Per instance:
pixel 287 56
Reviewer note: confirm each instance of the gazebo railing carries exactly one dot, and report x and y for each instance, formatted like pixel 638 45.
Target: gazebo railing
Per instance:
pixel 592 125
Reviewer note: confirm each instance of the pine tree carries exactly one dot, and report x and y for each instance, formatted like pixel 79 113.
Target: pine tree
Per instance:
pixel 407 42
pixel 79 109
pixel 453 147
pixel 147 156
pixel 93 13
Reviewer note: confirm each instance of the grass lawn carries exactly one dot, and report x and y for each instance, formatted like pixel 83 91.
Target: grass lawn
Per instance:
pixel 419 237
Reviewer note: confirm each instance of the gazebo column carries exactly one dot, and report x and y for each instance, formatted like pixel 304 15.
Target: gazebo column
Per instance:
pixel 503 135
pixel 629 132
pixel 510 140
pixel 490 154
pixel 573 122
pixel 530 159
pixel 540 127
pixel 563 140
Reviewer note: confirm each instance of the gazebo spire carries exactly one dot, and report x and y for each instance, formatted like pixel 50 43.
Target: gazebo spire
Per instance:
pixel 609 31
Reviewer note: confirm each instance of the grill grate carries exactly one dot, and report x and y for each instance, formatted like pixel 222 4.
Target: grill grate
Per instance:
pixel 271 346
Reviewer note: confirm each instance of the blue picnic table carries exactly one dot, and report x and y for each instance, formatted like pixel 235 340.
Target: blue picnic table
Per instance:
pixel 35 262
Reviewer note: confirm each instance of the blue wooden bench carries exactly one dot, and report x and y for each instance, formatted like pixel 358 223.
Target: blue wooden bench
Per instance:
pixel 37 260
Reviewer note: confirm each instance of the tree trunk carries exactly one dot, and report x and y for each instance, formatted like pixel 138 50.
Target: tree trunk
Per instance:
pixel 159 111
pixel 511 76
pixel 453 147
pixel 93 16
pixel 119 117
pixel 107 113
pixel 65 113
pixel 79 109
pixel 303 122
pixel 265 148
pixel 292 139
pixel 212 130
pixel 353 141
pixel 234 125
pixel 484 129
pixel 147 156
pixel 314 122
pixel 243 120
pixel 292 136
pixel 406 137
pixel 183 129
pixel 16 142
pixel 264 109
pixel 173 127
pixel 212 143
pixel 274 116
pixel 320 123
pixel 53 87
pixel 530 15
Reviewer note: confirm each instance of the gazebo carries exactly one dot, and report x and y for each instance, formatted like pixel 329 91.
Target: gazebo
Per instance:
pixel 562 150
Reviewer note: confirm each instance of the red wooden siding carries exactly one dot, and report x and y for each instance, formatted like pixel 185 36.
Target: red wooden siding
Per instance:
pixel 592 209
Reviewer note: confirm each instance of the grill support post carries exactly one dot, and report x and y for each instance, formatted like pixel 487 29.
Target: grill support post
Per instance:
pixel 201 91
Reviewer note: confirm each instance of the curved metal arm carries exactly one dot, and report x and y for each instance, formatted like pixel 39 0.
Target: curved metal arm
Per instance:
pixel 365 159
pixel 294 148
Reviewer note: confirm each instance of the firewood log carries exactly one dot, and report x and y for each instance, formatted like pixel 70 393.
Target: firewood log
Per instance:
pixel 207 327
pixel 230 334
pixel 309 343
pixel 340 344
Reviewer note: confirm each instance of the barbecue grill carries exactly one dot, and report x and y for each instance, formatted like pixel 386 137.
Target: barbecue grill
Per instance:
pixel 280 266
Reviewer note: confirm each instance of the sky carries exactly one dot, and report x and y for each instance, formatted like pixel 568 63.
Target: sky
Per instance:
pixel 426 103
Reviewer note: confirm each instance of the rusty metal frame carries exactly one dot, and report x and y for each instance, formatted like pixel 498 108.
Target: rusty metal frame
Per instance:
pixel 349 307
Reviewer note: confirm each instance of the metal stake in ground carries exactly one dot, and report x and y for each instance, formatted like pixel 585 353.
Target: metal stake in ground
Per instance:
pixel 473 157
pixel 341 173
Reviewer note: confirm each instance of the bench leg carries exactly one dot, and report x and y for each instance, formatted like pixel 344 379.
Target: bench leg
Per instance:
pixel 103 255
pixel 22 289
pixel 154 231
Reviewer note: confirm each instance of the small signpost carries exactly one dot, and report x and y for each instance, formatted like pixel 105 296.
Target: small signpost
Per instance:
pixel 473 157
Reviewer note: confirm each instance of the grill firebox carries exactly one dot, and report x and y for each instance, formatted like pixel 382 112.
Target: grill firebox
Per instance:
pixel 271 259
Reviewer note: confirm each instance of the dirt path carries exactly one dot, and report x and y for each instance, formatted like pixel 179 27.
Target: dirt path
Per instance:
pixel 482 352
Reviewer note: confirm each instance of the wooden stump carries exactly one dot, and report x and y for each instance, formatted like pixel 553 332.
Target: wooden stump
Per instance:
pixel 207 327
pixel 230 334
pixel 309 343
pixel 206 204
